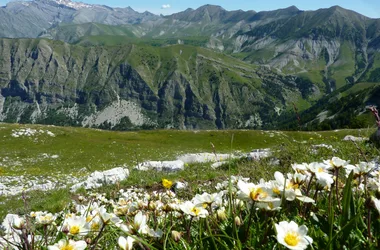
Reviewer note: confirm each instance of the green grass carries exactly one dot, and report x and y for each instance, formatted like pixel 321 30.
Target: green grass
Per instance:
pixel 156 64
pixel 260 56
pixel 344 66
pixel 358 87
pixel 113 40
pixel 82 151
pixel 315 72
pixel 80 148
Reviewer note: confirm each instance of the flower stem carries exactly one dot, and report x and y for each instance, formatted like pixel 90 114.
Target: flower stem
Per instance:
pixel 249 221
pixel 188 230
pixel 98 236
pixel 336 188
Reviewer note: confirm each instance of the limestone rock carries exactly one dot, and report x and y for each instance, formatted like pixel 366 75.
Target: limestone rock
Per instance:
pixel 354 138
pixel 258 154
pixel 98 179
pixel 205 157
pixel 170 166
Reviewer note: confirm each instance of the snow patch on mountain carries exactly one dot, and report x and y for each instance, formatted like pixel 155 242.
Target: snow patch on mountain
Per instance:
pixel 74 5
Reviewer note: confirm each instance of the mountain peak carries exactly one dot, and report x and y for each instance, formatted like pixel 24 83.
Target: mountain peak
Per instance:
pixel 336 7
pixel 292 8
pixel 211 7
pixel 68 3
pixel 336 10
pixel 207 11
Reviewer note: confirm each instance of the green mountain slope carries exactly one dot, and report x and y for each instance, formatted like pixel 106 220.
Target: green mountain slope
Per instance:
pixel 134 86
pixel 331 47
pixel 347 108
pixel 72 32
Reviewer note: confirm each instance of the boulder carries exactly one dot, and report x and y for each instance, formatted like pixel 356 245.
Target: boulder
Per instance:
pixel 354 138
pixel 170 166
pixel 98 179
pixel 204 157
pixel 258 154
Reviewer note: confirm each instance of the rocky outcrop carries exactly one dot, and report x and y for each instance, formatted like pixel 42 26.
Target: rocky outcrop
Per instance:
pixel 354 138
pixel 98 179
pixel 168 166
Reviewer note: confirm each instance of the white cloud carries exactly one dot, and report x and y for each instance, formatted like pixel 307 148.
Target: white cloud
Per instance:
pixel 165 6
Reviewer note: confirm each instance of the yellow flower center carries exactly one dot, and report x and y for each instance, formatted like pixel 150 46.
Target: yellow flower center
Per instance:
pixel 257 193
pixel 166 183
pixel 292 185
pixel 276 190
pixel 196 211
pixel 88 218
pixel 67 247
pixel 74 229
pixel 292 239
pixel 95 226
pixel 320 170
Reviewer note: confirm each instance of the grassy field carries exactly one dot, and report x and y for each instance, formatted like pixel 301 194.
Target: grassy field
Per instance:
pixel 79 152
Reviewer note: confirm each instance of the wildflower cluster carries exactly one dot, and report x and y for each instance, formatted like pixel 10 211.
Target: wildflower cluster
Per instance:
pixel 329 204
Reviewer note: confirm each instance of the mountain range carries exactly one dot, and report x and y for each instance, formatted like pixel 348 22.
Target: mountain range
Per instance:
pixel 71 63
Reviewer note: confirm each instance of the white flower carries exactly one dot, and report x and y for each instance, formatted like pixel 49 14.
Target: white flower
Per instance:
pixel 138 225
pixel 68 245
pixel 221 213
pixel 270 206
pixel 300 168
pixel 374 184
pixel 44 218
pixel 125 243
pixel 376 202
pixel 108 217
pixel 253 192
pixel 317 167
pixel 376 174
pixel 336 162
pixel 292 236
pixel 324 178
pixel 207 199
pixel 196 211
pixel 364 168
pixel 18 222
pixel 77 225
pixel 95 223
pixel 290 186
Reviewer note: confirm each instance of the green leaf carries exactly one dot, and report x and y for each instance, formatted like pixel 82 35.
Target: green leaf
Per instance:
pixel 348 206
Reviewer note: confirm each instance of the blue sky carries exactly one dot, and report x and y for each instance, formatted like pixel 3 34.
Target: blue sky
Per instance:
pixel 370 8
